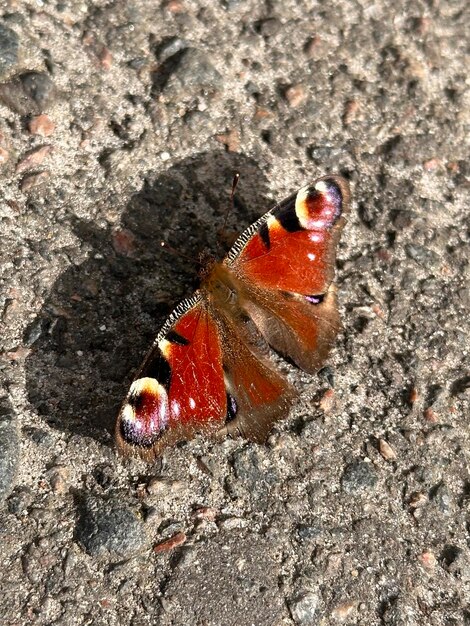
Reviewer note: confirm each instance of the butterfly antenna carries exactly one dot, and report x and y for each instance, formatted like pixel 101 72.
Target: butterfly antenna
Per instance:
pixel 166 246
pixel 231 204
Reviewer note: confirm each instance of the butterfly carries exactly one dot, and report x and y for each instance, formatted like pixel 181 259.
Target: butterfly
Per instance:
pixel 209 370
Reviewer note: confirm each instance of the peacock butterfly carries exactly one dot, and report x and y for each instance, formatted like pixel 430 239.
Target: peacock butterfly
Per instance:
pixel 208 371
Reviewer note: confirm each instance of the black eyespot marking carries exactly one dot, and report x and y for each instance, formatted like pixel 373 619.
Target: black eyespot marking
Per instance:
pixel 287 217
pixel 264 234
pixel 136 400
pixel 232 408
pixel 315 299
pixel 173 337
pixel 158 368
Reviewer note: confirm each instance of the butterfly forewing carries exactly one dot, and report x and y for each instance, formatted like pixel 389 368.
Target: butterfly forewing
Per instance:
pixel 180 388
pixel 286 268
pixel 293 246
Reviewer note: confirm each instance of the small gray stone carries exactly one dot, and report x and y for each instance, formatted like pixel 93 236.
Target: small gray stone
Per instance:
pixel 251 470
pixel 9 45
pixel 39 87
pixel 309 532
pixel 108 527
pixel 169 47
pixel 303 608
pixel 442 498
pixel 186 73
pixel 27 93
pixel 9 447
pixel 358 476
pixel 20 501
pixel 269 27
pixel 421 255
pixel 34 331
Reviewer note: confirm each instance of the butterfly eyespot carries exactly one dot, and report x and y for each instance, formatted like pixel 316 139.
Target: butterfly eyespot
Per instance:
pixel 145 416
pixel 319 206
pixel 133 435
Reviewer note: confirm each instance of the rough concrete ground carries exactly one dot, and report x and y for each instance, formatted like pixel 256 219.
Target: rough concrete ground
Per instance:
pixel 121 124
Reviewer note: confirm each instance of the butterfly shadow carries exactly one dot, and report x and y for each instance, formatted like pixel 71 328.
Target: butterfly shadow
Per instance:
pixel 102 315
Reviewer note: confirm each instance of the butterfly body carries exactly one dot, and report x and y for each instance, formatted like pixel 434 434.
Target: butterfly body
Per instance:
pixel 209 370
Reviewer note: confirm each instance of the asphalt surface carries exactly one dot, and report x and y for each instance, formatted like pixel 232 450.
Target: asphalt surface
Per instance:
pixel 122 124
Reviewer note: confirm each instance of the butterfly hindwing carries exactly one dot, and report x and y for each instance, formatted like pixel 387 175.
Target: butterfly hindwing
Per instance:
pixel 295 326
pixel 259 395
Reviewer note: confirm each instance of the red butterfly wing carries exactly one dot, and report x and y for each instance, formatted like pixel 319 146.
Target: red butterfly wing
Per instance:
pixel 258 395
pixel 180 388
pixel 285 264
pixel 292 247
pixel 200 376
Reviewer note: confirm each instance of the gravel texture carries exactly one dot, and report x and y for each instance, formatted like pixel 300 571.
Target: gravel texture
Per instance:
pixel 122 124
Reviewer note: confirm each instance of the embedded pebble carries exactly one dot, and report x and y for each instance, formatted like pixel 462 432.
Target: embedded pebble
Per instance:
pixel 58 479
pixel 171 543
pixel 20 501
pixel 170 47
pixel 41 125
pixel 27 93
pixel 33 180
pixel 174 6
pixel 327 401
pixel 9 45
pixel 417 500
pixel 441 496
pixel 230 139
pixel 189 73
pixel 344 610
pixel 296 95
pixel 428 560
pixel 105 58
pixel 269 27
pixel 39 87
pixel 386 450
pixel 33 158
pixel 205 513
pixel 230 523
pixel 351 110
pixel 358 476
pixel 4 156
pixel 303 608
pixel 9 447
pixel 107 527
pixel 124 242
pixel 163 487
pixel 422 255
